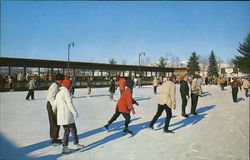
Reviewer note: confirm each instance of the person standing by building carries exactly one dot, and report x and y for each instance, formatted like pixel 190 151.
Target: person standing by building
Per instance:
pixel 155 84
pixel 112 88
pixel 246 86
pixel 73 86
pixel 195 90
pixel 124 106
pixel 221 82
pixel 89 85
pixel 11 83
pixel 166 101
pixel 121 84
pixel 184 90
pixel 66 114
pixel 235 84
pixel 32 87
pixel 52 92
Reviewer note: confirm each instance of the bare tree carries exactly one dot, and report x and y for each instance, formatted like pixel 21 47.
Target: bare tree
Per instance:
pixel 203 60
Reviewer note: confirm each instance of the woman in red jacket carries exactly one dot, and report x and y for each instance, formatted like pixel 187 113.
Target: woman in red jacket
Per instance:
pixel 124 106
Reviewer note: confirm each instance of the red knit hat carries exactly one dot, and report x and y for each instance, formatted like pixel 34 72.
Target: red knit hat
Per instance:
pixel 66 83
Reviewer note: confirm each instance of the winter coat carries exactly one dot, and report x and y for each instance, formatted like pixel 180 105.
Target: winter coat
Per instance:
pixel 184 89
pixel 53 90
pixel 31 84
pixel 64 107
pixel 125 102
pixel 121 84
pixel 195 89
pixel 246 83
pixel 112 86
pixel 167 94
pixel 155 82
pixel 73 83
pixel 235 84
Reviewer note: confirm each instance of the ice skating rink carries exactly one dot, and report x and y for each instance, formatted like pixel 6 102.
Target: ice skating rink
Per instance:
pixel 219 132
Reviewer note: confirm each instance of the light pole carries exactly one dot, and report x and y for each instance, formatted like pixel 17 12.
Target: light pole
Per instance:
pixel 69 45
pixel 140 54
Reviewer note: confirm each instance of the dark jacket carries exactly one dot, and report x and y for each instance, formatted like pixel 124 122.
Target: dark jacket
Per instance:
pixel 184 88
pixel 90 83
pixel 112 86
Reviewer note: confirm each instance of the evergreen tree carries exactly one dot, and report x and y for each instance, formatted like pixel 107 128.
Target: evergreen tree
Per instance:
pixel 212 67
pixel 243 62
pixel 193 64
pixel 162 62
pixel 112 61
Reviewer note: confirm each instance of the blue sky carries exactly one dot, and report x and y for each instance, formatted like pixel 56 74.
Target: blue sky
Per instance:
pixel 121 30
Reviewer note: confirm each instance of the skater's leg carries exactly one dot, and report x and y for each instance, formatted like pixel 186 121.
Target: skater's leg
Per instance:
pixel 28 95
pixel 184 104
pixel 66 135
pixel 127 119
pixel 168 117
pixel 54 128
pixel 32 94
pixel 114 117
pixel 194 102
pixel 158 114
pixel 73 131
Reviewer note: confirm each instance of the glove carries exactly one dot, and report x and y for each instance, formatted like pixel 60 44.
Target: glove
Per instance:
pixel 133 111
pixel 174 106
pixel 187 97
pixel 137 103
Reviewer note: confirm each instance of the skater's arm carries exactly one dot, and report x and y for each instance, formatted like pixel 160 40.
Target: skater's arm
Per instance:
pixel 69 102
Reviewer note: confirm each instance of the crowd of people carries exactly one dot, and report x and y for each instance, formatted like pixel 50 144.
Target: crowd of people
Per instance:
pixel 61 110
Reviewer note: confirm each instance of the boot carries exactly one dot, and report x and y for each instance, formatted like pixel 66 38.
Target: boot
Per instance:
pixel 66 150
pixel 78 146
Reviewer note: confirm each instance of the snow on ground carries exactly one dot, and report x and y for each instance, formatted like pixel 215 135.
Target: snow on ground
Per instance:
pixel 219 132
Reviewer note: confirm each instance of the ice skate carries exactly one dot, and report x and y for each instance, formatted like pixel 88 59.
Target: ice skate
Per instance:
pixel 78 146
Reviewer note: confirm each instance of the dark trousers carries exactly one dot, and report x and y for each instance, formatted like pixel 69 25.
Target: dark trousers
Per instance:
pixel 222 86
pixel 117 114
pixel 246 92
pixel 155 89
pixel 72 90
pixel 161 108
pixel 30 93
pixel 234 93
pixel 184 104
pixel 194 102
pixel 70 128
pixel 54 128
pixel 111 95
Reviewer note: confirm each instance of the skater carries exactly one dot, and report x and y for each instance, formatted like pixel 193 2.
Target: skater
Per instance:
pixel 184 89
pixel 66 114
pixel 221 82
pixel 246 86
pixel 124 106
pixel 166 101
pixel 155 84
pixel 54 128
pixel 195 90
pixel 32 87
pixel 140 82
pixel 73 86
pixel 89 85
pixel 11 84
pixel 235 85
pixel 112 88
pixel 121 84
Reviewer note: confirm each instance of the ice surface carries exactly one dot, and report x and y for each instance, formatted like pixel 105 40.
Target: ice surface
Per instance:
pixel 219 132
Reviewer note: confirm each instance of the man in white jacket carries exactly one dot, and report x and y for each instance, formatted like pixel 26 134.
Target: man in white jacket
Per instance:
pixel 166 101
pixel 66 114
pixel 246 86
pixel 54 128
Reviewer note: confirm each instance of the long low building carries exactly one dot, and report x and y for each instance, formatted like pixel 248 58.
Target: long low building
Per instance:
pixel 20 69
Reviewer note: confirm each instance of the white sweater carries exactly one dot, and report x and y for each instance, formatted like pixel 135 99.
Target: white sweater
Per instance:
pixel 64 107
pixel 167 94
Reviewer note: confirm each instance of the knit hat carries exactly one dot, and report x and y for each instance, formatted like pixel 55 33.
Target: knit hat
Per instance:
pixel 66 83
